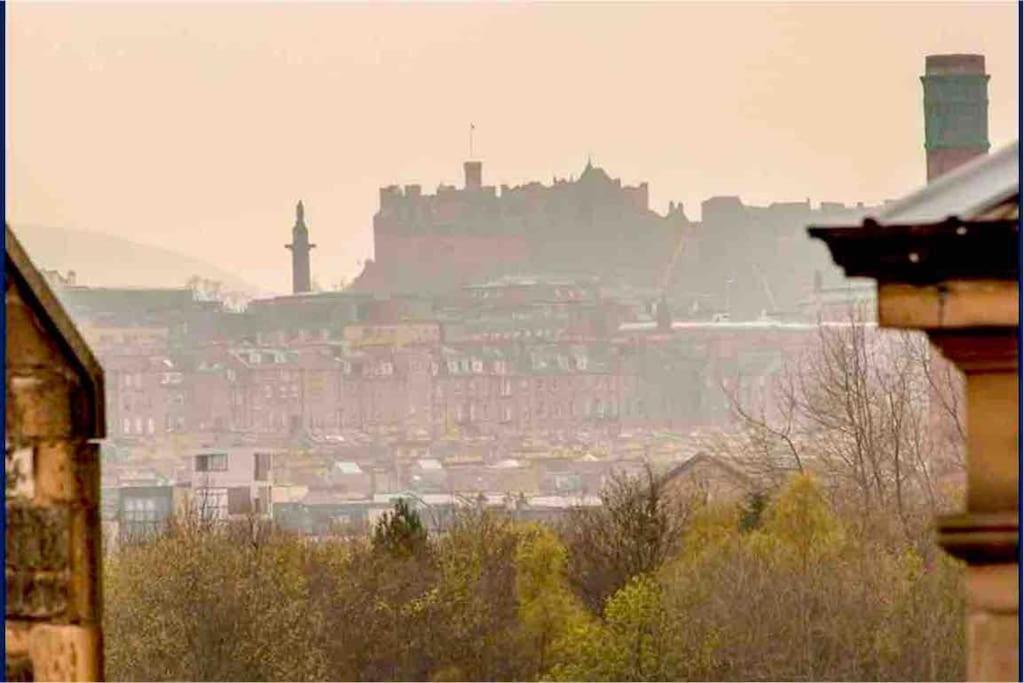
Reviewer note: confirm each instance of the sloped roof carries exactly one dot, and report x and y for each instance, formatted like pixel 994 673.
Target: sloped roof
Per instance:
pixel 966 192
pixel 730 470
pixel 44 302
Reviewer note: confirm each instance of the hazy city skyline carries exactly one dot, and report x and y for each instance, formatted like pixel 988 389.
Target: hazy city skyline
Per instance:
pixel 197 127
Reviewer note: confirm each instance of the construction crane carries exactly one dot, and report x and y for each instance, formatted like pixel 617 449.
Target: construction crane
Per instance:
pixel 663 284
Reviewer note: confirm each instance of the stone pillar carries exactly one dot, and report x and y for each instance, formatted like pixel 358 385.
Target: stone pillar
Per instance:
pixel 985 535
pixel 956 280
pixel 975 325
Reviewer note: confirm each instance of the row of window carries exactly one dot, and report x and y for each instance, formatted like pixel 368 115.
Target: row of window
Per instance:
pixel 147 425
pixel 138 426
pixel 218 462
pixel 600 409
pixel 218 503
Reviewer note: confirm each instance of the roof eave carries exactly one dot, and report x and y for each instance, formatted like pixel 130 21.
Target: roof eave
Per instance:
pixel 926 253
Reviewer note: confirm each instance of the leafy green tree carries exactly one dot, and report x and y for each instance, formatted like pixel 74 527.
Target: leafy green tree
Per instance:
pixel 548 609
pixel 632 642
pixel 801 518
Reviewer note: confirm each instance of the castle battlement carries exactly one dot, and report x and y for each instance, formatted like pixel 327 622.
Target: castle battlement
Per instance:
pixel 508 208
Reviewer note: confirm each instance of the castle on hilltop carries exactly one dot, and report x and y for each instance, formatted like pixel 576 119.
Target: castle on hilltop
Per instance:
pixel 739 259
pixel 592 225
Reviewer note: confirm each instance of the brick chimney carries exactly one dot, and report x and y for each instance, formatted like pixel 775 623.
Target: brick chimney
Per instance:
pixel 955 111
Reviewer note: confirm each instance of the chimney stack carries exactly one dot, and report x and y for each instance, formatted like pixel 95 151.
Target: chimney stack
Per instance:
pixel 955 111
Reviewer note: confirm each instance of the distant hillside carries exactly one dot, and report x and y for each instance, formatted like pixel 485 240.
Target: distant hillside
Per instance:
pixel 108 261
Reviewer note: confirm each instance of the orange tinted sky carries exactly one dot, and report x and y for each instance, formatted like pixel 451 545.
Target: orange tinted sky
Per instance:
pixel 197 127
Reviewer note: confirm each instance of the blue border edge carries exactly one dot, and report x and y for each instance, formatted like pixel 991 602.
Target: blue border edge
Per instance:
pixel 1020 257
pixel 3 322
pixel 1020 262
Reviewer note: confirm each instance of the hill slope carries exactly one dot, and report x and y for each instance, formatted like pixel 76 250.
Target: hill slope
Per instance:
pixel 107 261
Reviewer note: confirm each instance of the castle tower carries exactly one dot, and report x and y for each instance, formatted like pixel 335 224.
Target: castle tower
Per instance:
pixel 300 247
pixel 955 111
pixel 474 174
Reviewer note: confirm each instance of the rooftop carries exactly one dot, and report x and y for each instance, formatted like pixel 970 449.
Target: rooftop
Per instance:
pixel 966 192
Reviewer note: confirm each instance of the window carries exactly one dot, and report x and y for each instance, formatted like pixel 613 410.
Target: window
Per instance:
pixel 239 500
pixel 150 425
pixel 506 387
pixel 126 426
pixel 142 516
pixel 506 414
pixel 140 510
pixel 212 462
pixel 138 425
pixel 261 466
pixel 262 501
pixel 212 503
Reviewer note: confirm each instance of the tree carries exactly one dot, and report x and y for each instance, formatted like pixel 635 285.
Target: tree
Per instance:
pixel 637 527
pixel 631 643
pixel 548 610
pixel 860 409
pixel 400 532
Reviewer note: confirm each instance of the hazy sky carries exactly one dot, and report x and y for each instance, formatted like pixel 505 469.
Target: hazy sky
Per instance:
pixel 198 126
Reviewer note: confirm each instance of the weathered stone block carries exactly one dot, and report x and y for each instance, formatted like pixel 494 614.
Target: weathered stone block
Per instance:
pixel 66 653
pixel 38 537
pixel 67 472
pixel 19 468
pixel 36 594
pixel 39 407
pixel 84 581
pixel 18 669
pixel 992 642
pixel 16 634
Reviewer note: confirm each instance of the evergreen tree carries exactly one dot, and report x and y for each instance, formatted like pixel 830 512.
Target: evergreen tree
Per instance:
pixel 400 533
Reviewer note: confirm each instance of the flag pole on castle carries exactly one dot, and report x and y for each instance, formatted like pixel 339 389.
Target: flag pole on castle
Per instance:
pixel 472 127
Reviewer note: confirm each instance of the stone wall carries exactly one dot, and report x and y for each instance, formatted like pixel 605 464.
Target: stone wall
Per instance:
pixel 52 499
